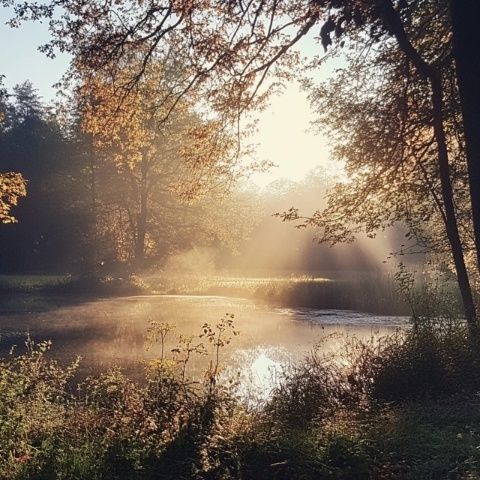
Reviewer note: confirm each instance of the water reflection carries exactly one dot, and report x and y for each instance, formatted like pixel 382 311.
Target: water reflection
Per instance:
pixel 258 370
pixel 110 331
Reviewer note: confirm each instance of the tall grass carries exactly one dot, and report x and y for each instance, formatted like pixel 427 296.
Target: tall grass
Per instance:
pixel 369 293
pixel 377 294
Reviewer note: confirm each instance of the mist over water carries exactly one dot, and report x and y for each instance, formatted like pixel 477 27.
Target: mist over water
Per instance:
pixel 110 332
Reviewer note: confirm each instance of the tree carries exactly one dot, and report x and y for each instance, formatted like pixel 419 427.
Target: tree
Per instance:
pixel 466 38
pixel 431 69
pixel 383 131
pixel 150 171
pixel 49 224
pixel 12 185
pixel 236 45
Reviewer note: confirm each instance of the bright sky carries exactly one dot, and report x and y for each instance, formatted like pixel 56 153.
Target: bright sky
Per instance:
pixel 22 61
pixel 285 137
pixel 283 130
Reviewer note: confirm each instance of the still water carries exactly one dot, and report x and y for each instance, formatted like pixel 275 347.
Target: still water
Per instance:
pixel 112 331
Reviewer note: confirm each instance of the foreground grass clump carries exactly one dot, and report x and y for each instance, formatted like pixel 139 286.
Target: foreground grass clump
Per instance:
pixel 403 407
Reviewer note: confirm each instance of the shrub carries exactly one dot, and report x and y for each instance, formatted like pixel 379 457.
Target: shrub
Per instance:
pixel 402 406
pixel 427 363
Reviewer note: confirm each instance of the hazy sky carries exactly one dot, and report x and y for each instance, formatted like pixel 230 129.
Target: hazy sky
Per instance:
pixel 283 136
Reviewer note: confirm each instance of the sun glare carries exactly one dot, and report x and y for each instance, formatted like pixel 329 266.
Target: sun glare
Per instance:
pixel 286 137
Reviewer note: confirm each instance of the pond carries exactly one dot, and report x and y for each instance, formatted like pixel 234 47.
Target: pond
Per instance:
pixel 112 331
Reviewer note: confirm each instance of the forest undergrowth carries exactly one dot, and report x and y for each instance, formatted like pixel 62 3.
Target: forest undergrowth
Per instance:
pixel 401 406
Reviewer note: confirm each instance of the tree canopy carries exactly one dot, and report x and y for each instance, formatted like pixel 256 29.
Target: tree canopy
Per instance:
pixel 416 147
pixel 12 185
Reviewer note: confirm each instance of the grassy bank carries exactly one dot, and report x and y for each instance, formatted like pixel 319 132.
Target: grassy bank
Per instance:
pixel 380 294
pixel 376 294
pixel 30 283
pixel 363 292
pixel 405 407
pixel 95 285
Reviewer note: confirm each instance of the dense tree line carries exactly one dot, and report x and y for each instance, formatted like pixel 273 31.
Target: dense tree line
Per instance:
pixel 101 199
pixel 51 229
pixel 110 189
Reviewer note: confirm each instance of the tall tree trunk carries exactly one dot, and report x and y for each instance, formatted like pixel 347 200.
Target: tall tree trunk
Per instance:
pixel 142 218
pixel 394 24
pixel 451 224
pixel 465 17
pixel 141 233
pixel 93 257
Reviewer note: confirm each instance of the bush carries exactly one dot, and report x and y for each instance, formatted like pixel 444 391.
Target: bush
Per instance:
pixel 109 426
pixel 427 363
pixel 402 406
